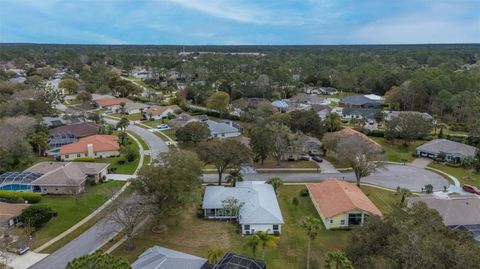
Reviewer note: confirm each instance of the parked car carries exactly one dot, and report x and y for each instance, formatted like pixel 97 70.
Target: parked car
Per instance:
pixel 317 158
pixel 163 127
pixel 471 189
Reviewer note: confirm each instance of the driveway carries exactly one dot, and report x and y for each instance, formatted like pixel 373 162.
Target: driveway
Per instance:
pixel 327 167
pixel 421 162
pixel 24 261
pixel 390 176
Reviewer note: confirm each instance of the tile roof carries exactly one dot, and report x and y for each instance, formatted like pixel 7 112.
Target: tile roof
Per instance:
pixel 163 258
pixel 65 174
pixel 260 202
pixel 447 146
pixel 100 143
pixel 8 211
pixel 78 129
pixel 111 101
pixel 159 110
pixel 460 210
pixel 334 197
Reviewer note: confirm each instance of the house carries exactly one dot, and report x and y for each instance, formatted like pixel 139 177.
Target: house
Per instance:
pixel 452 151
pixel 350 113
pixel 312 90
pixel 161 112
pixel 221 129
pixel 389 115
pixel 163 258
pixel 373 146
pixel 96 96
pixel 181 120
pixel 281 105
pixel 9 213
pixel 310 145
pixel 322 110
pixel 341 204
pixel 94 146
pixel 65 178
pixel 141 73
pixel 328 91
pixel 67 134
pixel 129 108
pixel 259 211
pixel 364 101
pixel 18 80
pixel 109 102
pixel 58 121
pixel 457 212
pixel 303 98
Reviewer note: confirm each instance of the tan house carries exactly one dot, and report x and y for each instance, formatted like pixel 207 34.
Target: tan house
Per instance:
pixel 160 112
pixel 341 204
pixel 95 146
pixel 9 213
pixel 66 178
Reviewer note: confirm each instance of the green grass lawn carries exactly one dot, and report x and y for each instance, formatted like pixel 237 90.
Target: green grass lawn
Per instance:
pixel 142 142
pixel 272 163
pixel 396 151
pixel 70 212
pixel 154 123
pixel 386 201
pixel 463 175
pixel 128 168
pixel 132 117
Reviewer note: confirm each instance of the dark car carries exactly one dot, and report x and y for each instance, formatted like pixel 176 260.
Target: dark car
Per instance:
pixel 471 189
pixel 317 158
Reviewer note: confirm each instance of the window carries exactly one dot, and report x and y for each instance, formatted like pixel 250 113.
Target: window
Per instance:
pixel 331 221
pixel 95 154
pixel 246 227
pixel 78 155
pixel 342 222
pixel 275 228
pixel 66 156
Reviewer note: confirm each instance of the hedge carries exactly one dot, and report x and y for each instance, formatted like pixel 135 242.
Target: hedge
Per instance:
pixel 20 197
pixel 84 159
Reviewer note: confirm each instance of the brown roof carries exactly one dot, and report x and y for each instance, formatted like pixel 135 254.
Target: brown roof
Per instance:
pixel 159 110
pixel 334 197
pixel 65 174
pixel 346 132
pixel 78 129
pixel 100 143
pixel 8 211
pixel 111 101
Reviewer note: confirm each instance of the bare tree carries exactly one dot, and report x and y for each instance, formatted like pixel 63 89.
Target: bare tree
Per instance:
pixel 126 216
pixel 232 206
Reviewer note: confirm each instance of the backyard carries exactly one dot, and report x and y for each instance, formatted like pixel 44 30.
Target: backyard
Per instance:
pixel 196 236
pixel 70 210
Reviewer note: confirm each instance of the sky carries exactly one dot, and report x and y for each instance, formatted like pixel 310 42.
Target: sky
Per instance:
pixel 240 22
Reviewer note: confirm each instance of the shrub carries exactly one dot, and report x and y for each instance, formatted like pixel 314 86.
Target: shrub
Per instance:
pixel 376 133
pixel 295 201
pixel 98 259
pixel 121 161
pixel 20 197
pixel 130 153
pixel 37 215
pixel 85 159
pixel 304 193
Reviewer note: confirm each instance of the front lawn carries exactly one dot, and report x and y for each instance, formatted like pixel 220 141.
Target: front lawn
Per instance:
pixel 386 201
pixel 127 168
pixel 396 151
pixel 144 144
pixel 272 163
pixel 154 123
pixel 463 175
pixel 70 211
pixel 131 117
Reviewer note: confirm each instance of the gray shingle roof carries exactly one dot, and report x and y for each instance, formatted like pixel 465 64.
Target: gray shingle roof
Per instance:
pixel 368 113
pixel 359 100
pixel 447 146
pixel 220 127
pixel 260 202
pixel 65 174
pixel 163 258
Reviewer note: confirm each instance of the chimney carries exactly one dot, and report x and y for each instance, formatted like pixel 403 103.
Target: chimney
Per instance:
pixel 90 150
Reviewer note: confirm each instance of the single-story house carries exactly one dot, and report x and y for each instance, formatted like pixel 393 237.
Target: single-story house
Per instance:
pixel 68 134
pixel 109 102
pixel 58 121
pixel 389 115
pixel 307 99
pixel 328 91
pixel 161 112
pixel 95 146
pixel 348 132
pixel 221 129
pixel 310 145
pixel 281 105
pixel 453 151
pixel 129 108
pixel 96 96
pixel 9 213
pixel 349 113
pixel 458 212
pixel 65 177
pixel 18 80
pixel 340 203
pixel 181 120
pixel 322 110
pixel 365 101
pixel 163 258
pixel 259 211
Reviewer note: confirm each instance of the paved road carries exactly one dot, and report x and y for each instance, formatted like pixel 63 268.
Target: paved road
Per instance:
pixel 390 176
pixel 102 231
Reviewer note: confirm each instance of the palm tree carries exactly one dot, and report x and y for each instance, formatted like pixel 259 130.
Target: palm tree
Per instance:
pixel 403 192
pixel 337 260
pixel 122 125
pixel 276 183
pixel 266 240
pixel 214 255
pixel 234 176
pixel 252 243
pixel 333 122
pixel 312 227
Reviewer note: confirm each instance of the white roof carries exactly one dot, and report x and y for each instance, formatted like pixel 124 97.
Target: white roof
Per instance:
pixel 280 104
pixel 163 258
pixel 260 202
pixel 374 97
pixel 220 127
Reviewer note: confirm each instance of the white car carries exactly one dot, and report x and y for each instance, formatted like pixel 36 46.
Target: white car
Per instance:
pixel 162 127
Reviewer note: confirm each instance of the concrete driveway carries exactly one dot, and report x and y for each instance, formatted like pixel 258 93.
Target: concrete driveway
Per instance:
pixel 421 162
pixel 24 261
pixel 390 176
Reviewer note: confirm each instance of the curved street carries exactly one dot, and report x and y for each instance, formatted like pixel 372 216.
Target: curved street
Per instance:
pixel 390 176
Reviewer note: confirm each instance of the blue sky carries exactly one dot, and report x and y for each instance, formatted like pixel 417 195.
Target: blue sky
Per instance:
pixel 264 22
